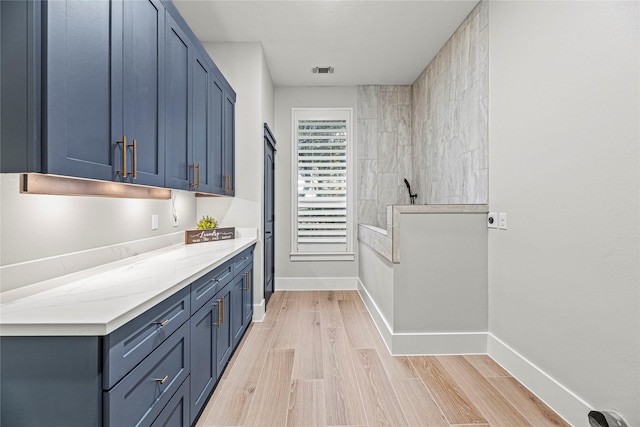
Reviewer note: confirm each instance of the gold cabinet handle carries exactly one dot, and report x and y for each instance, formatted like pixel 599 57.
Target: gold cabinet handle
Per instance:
pixel 198 185
pixel 163 323
pixel 248 278
pixel 217 323
pixel 193 180
pixel 123 171
pixel 135 159
pixel 162 380
pixel 222 302
pixel 226 183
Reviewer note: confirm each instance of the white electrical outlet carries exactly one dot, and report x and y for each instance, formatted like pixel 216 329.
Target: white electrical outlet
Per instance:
pixel 492 220
pixel 154 222
pixel 502 221
pixel 175 219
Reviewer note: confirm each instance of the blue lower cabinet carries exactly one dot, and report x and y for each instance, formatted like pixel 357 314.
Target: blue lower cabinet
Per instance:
pixel 203 356
pixel 141 395
pixel 176 413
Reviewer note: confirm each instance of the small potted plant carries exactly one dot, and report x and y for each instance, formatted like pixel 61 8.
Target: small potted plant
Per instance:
pixel 207 223
pixel 207 232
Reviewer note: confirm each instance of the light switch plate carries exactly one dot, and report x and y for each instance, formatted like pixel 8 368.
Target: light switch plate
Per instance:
pixel 492 220
pixel 154 222
pixel 502 221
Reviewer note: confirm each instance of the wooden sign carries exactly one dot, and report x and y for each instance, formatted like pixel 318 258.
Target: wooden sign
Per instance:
pixel 211 235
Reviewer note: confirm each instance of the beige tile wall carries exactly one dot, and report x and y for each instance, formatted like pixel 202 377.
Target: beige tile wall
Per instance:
pixel 434 133
pixel 384 150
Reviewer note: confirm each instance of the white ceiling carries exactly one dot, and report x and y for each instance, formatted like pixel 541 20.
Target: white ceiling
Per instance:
pixel 368 42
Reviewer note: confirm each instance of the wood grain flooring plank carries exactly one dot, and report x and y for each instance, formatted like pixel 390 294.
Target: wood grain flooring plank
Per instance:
pixel 305 300
pixel 342 395
pixel 396 366
pixel 306 404
pixel 527 403
pixel 452 401
pixel 330 316
pixel 486 398
pixel 354 325
pixel 286 329
pixel 271 399
pixel 417 404
pixel 308 345
pixel 232 398
pixel 269 379
pixel 381 404
pixel 486 366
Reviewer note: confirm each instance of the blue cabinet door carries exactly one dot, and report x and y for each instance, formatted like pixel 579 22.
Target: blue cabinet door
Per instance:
pixel 203 356
pixel 247 298
pixel 201 123
pixel 77 89
pixel 228 142
pixel 179 170
pixel 143 90
pixel 217 135
pixel 237 302
pixel 224 335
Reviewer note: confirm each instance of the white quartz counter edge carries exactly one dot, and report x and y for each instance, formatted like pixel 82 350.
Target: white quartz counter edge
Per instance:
pixel 98 301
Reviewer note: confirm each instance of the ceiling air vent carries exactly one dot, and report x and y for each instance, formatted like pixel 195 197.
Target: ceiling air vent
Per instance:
pixel 323 70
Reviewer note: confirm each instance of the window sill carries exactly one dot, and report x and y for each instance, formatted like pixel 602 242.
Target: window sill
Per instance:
pixel 322 256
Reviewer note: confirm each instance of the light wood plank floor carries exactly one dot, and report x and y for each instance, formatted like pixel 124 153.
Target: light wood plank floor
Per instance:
pixel 318 360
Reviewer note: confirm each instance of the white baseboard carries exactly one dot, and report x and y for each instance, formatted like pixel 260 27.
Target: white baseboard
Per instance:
pixel 423 343
pixel 439 343
pixel 562 400
pixel 386 331
pixel 258 311
pixel 316 283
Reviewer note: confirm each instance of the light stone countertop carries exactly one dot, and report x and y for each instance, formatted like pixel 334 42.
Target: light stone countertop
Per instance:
pixel 97 301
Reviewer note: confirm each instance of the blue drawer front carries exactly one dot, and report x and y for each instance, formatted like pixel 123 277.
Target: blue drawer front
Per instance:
pixel 203 289
pixel 128 345
pixel 242 260
pixel 140 397
pixel 176 413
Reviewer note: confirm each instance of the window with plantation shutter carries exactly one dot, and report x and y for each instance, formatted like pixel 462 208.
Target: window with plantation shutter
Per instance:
pixel 322 225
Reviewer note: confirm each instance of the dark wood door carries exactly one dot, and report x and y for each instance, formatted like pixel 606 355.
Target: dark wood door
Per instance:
pixel 269 212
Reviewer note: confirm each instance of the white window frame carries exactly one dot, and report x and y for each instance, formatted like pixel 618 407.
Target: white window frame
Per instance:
pixel 304 252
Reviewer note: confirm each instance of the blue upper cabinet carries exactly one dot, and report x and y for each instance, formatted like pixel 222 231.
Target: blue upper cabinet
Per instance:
pixel 140 115
pixel 113 90
pixel 77 89
pixel 228 142
pixel 201 122
pixel 178 114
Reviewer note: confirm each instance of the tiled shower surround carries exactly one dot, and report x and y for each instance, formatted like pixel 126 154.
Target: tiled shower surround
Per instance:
pixel 434 133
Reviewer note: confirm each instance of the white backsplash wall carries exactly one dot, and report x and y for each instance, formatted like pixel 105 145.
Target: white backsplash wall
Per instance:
pixel 450 118
pixel 384 150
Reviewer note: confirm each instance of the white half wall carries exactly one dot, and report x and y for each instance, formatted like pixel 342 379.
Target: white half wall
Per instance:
pixel 564 292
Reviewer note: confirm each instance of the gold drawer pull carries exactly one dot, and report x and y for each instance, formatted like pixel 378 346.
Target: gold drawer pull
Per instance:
pixel 135 159
pixel 123 171
pixel 163 323
pixel 217 323
pixel 227 184
pixel 162 380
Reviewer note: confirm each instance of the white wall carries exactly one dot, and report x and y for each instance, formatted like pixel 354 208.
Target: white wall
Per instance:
pixel 287 98
pixel 35 226
pixel 244 66
pixel 564 163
